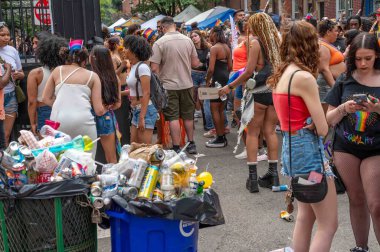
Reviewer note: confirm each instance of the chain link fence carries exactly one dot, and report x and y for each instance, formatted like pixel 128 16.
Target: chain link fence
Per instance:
pixel 58 224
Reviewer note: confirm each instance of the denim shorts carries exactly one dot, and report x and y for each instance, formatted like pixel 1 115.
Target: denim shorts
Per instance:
pixel 43 113
pixel 105 124
pixel 10 103
pixel 239 92
pixel 150 117
pixel 307 149
pixel 199 78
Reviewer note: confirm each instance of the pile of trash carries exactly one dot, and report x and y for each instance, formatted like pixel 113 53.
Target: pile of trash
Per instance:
pixel 149 173
pixel 54 157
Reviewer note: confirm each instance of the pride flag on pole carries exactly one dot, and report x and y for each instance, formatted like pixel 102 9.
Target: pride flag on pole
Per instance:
pixel 218 22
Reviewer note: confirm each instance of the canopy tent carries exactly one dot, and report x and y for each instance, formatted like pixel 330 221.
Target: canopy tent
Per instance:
pixel 152 23
pixel 133 20
pixel 210 22
pixel 207 14
pixel 187 14
pixel 117 23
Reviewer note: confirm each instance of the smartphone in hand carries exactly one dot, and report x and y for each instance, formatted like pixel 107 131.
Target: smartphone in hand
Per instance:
pixel 360 98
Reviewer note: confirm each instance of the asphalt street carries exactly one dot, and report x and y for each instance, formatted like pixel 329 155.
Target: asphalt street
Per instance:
pixel 252 220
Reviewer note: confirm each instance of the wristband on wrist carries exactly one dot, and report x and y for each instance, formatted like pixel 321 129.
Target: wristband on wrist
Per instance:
pixel 341 110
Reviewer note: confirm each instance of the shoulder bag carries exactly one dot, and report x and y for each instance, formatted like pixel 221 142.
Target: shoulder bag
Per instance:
pixel 313 193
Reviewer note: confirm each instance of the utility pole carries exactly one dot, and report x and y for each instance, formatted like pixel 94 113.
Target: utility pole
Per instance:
pixel 246 6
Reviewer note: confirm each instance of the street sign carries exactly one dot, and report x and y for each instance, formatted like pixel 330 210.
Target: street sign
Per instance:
pixel 42 14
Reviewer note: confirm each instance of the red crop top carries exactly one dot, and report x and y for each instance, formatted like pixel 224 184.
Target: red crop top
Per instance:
pixel 298 111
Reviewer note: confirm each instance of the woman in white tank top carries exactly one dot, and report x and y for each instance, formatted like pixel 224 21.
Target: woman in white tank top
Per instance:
pixel 48 55
pixel 73 91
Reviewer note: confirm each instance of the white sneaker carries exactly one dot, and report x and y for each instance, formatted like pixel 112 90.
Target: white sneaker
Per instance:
pixel 198 114
pixel 242 155
pixel 262 157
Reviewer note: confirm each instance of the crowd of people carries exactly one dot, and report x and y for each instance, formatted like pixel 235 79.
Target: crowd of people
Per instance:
pixel 306 78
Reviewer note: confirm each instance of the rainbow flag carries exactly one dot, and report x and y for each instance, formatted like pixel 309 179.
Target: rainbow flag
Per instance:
pixel 118 29
pixel 218 22
pixel 148 33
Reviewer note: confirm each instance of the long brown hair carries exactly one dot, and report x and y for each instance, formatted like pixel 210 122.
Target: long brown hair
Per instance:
pixel 204 44
pixel 299 46
pixel 262 26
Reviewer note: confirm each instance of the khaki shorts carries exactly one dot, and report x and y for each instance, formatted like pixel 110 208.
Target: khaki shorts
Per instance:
pixel 181 104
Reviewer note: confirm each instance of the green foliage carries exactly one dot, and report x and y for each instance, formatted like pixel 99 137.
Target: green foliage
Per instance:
pixel 172 7
pixel 107 11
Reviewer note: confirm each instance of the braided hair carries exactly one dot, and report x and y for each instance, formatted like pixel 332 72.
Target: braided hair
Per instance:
pixel 262 26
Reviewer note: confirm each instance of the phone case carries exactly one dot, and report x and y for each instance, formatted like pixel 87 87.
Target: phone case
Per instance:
pixel 315 177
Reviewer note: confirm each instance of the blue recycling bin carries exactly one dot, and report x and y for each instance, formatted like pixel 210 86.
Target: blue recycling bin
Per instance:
pixel 131 233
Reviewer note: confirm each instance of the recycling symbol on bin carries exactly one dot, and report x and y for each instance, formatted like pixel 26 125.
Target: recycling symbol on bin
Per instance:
pixel 186 228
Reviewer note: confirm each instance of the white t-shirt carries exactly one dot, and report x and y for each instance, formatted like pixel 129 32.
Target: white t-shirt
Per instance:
pixel 144 70
pixel 10 55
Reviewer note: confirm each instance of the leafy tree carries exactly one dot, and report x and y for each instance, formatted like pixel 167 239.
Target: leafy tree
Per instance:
pixel 172 7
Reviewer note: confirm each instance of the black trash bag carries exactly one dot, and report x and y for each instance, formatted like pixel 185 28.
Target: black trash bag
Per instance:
pixel 65 188
pixel 205 208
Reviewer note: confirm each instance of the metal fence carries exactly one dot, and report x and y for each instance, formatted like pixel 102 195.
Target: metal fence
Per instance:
pixel 24 19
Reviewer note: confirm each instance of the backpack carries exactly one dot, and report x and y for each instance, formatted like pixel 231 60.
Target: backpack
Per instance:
pixel 158 94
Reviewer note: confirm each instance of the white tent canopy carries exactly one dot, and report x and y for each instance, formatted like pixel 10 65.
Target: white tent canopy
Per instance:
pixel 186 14
pixel 207 14
pixel 152 23
pixel 119 22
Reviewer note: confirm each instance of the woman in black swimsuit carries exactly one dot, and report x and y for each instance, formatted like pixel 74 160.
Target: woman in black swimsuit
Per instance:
pixel 263 53
pixel 220 65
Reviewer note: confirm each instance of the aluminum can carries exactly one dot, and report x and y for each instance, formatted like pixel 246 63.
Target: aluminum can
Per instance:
pixel 158 196
pixel 107 179
pixel 128 193
pixel 158 156
pixel 26 152
pixel 138 173
pixel 280 188
pixel 97 202
pixel 13 148
pixel 43 177
pixel 7 161
pixel 149 183
pixel 96 189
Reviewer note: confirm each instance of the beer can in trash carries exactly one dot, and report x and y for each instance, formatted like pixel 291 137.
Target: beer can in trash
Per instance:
pixel 13 148
pixel 43 177
pixel 138 173
pixel 158 196
pixel 128 192
pixel 158 155
pixel 7 161
pixel 97 202
pixel 149 183
pixel 96 189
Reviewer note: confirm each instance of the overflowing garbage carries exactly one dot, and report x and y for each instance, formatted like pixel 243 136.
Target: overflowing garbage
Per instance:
pixel 147 180
pixel 54 157
pixel 149 173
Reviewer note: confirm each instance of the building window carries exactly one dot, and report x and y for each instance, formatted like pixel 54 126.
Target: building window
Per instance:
pixel 345 6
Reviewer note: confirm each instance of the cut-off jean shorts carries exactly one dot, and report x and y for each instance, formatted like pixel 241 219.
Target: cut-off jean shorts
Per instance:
pixel 150 116
pixel 106 124
pixel 10 103
pixel 307 149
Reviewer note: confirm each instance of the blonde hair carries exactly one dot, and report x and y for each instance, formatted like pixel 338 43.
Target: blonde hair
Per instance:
pixel 262 26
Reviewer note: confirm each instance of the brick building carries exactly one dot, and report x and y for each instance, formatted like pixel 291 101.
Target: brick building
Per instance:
pixel 128 5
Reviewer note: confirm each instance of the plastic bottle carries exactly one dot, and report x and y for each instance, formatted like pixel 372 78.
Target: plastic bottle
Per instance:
pixel 124 155
pixel 193 184
pixel 167 180
pixel 218 85
pixel 47 130
pixel 279 188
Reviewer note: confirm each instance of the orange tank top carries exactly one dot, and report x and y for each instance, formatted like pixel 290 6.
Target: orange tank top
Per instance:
pixel 336 55
pixel 240 57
